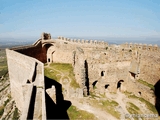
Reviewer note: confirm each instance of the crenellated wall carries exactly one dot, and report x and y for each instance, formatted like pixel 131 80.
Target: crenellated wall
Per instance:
pixel 147 47
pixel 85 42
pixel 92 60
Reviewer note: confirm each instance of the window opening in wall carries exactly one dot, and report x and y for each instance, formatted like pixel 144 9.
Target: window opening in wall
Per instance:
pixel 94 84
pixel 102 73
pixel 48 59
pixel 28 81
pixel 106 86
pixel 139 93
pixel 133 75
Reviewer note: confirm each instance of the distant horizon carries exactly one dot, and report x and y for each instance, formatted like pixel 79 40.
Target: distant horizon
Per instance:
pixel 110 40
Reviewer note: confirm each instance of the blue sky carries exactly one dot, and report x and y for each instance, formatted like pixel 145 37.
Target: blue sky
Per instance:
pixel 21 19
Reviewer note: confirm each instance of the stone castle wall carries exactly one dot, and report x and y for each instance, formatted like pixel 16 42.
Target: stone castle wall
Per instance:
pixel 116 61
pixel 92 61
pixel 24 73
pixel 37 52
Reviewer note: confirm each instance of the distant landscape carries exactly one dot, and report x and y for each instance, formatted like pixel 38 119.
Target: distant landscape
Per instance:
pixel 4 43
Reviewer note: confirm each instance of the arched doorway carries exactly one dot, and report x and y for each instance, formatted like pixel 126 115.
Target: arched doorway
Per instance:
pixel 119 85
pixel 50 54
pixel 46 51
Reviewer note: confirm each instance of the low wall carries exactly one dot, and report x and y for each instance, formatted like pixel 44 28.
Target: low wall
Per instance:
pixel 37 52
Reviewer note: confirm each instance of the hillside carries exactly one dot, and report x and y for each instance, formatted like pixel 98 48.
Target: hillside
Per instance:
pixel 8 108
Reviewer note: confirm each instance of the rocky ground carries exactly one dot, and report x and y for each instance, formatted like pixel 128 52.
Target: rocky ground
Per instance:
pixel 8 108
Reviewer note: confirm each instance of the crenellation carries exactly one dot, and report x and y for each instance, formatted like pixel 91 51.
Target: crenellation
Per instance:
pixel 71 40
pixel 91 41
pixel 102 42
pixel 68 39
pixel 86 41
pixel 62 38
pixel 82 41
pixel 79 40
pixel 45 36
pixel 92 60
pixel 95 41
pixel 155 47
pixel 149 47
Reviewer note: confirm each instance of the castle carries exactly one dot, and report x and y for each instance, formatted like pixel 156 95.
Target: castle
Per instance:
pixel 95 63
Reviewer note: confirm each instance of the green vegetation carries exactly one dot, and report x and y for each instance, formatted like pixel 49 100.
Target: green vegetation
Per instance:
pixel 55 69
pixel 1 111
pixel 92 95
pixel 4 88
pixel 133 106
pixel 133 109
pixel 15 114
pixel 108 106
pixel 146 84
pixel 3 106
pixel 5 102
pixel 52 74
pixel 76 114
pixel 150 106
pixel 3 63
pixel 106 48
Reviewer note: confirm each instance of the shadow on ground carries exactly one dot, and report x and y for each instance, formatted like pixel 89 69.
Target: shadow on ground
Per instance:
pixel 56 110
pixel 157 94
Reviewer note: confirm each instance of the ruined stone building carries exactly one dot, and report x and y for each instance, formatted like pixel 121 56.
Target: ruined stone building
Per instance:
pixel 95 63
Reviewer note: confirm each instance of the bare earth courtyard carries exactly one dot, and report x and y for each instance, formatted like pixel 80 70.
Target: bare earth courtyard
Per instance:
pixel 81 79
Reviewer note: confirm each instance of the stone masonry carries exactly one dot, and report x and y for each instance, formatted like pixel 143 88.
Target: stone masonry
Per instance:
pixel 95 63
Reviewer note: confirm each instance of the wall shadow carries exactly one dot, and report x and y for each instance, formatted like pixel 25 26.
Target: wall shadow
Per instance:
pixel 87 79
pixel 56 110
pixel 32 103
pixel 157 95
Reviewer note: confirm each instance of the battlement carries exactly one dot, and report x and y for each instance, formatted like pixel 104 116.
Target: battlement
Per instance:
pixel 45 36
pixel 141 46
pixel 82 41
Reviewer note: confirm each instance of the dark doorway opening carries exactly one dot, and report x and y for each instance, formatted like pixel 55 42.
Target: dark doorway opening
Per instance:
pixel 48 59
pixel 28 81
pixel 102 73
pixel 133 75
pixel 94 84
pixel 119 84
pixel 52 56
pixel 106 86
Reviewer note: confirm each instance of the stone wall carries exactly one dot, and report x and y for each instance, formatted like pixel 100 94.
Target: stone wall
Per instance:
pixel 37 52
pixel 25 72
